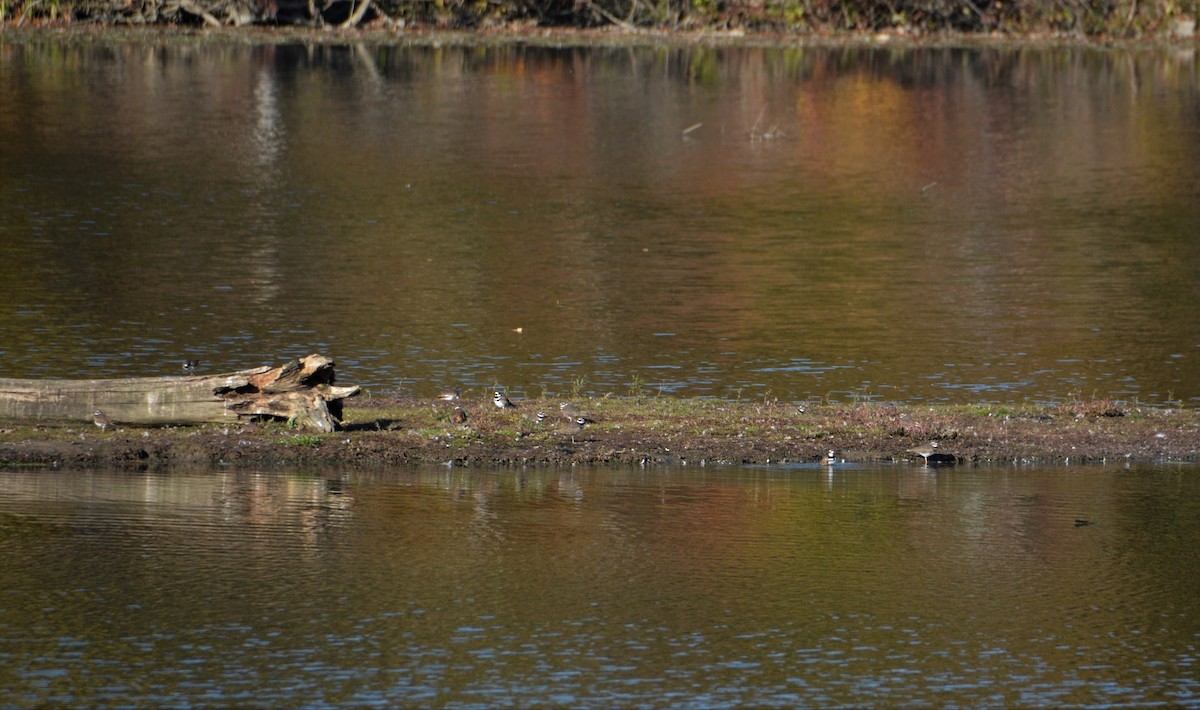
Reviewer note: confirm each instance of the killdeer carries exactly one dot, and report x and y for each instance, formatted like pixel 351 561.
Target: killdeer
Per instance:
pixel 574 427
pixel 459 416
pixel 449 395
pixel 101 420
pixel 541 418
pixel 571 412
pixel 831 457
pixel 502 401
pixel 925 451
pixel 189 366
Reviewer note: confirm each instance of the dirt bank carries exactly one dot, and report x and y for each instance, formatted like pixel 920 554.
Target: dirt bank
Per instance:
pixel 652 431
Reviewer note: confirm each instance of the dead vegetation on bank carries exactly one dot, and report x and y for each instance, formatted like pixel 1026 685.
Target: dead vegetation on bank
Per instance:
pixel 632 431
pixel 1114 19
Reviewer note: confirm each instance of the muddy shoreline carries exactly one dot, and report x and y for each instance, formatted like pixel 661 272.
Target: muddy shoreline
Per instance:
pixel 386 432
pixel 560 37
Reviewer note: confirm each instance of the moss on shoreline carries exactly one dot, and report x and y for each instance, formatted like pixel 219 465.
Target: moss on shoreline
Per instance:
pixel 384 432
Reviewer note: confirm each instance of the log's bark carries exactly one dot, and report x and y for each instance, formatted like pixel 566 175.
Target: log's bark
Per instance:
pixel 301 391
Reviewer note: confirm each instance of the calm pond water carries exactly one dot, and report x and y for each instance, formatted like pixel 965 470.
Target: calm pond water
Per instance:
pixel 688 587
pixel 970 224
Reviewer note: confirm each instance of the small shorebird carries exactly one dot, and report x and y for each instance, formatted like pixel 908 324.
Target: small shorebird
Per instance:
pixel 100 419
pixel 571 412
pixel 502 401
pixel 449 395
pixel 574 427
pixel 925 451
pixel 189 366
pixel 459 416
pixel 541 418
pixel 831 458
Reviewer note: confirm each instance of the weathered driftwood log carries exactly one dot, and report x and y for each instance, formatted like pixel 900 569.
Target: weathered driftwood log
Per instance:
pixel 300 391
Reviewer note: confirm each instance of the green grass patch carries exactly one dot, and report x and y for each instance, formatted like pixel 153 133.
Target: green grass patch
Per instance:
pixel 302 440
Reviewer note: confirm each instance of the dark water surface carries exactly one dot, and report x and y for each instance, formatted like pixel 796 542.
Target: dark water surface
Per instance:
pixel 852 223
pixel 697 586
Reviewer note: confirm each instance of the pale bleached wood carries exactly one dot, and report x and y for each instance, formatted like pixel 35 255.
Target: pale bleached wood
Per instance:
pixel 300 390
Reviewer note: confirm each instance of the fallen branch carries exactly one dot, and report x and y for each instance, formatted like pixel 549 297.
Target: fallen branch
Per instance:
pixel 356 15
pixel 194 9
pixel 300 391
pixel 610 17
